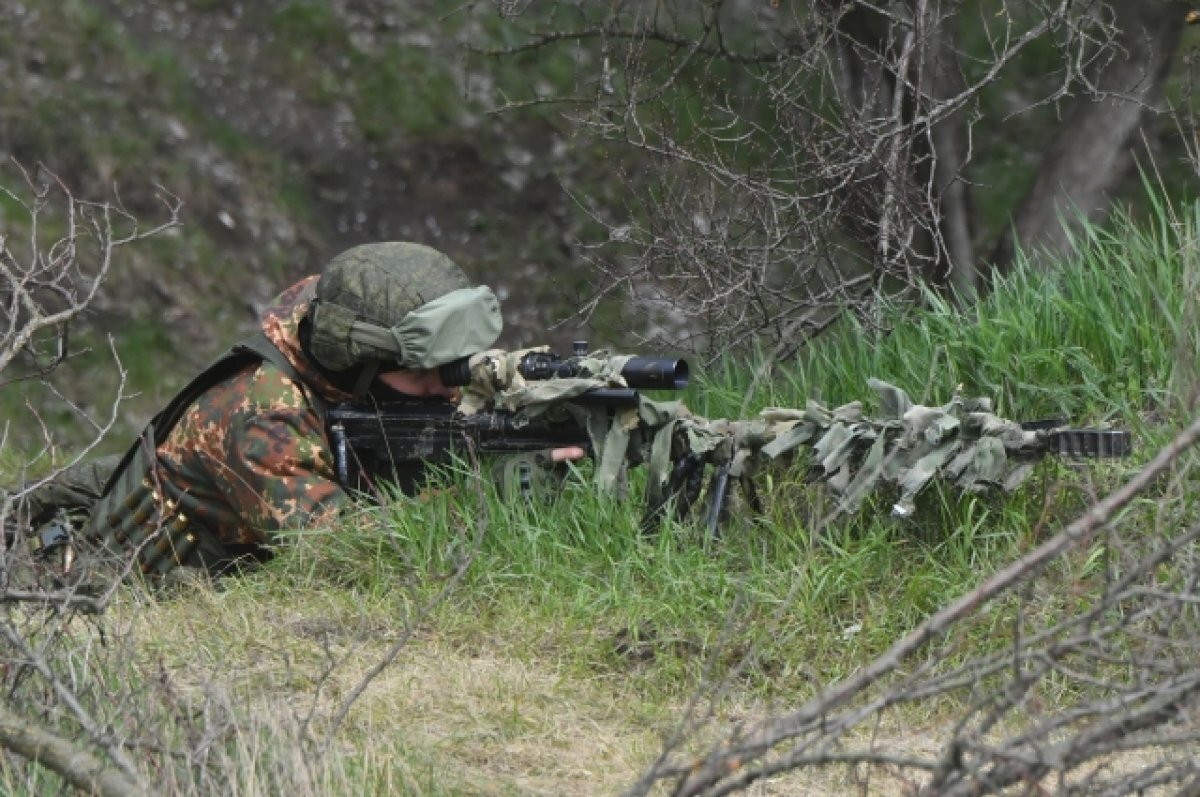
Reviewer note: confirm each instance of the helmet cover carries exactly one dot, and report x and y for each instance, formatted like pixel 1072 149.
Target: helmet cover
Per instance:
pixel 375 285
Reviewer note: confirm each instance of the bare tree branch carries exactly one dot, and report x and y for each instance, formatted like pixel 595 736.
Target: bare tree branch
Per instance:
pixel 75 765
pixel 829 149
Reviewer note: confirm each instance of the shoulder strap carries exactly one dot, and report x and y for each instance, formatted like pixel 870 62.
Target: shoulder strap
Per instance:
pixel 260 345
pixel 255 348
pixel 224 367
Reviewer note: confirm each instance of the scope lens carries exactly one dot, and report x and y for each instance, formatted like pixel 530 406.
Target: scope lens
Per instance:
pixel 656 373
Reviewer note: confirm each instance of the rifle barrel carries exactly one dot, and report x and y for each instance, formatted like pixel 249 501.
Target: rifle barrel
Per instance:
pixel 1090 443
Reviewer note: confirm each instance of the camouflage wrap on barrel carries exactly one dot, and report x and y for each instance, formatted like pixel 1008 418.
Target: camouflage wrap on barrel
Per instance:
pixel 496 383
pixel 250 457
pixel 905 447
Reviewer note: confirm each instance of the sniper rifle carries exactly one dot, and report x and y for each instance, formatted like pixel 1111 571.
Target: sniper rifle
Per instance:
pixel 531 400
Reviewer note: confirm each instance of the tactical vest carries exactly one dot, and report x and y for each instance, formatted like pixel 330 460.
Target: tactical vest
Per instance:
pixel 139 513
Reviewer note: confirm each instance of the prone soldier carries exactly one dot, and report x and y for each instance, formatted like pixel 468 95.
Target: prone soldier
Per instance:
pixel 242 452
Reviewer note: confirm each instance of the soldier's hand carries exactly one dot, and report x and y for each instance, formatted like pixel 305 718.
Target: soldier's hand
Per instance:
pixel 567 454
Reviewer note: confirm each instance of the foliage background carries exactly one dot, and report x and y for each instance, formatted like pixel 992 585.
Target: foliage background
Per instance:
pixel 297 128
pixel 291 131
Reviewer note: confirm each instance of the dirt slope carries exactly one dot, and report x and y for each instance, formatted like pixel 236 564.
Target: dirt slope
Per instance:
pixel 290 131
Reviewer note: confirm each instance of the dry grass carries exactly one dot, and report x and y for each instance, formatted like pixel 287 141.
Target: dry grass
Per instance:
pixel 450 715
pixel 478 717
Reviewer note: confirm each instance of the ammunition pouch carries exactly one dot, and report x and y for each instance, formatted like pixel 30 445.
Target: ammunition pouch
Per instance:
pixel 528 476
pixel 137 518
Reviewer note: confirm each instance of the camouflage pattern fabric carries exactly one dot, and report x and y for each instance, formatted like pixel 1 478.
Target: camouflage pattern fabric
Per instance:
pixel 378 283
pixel 74 490
pixel 905 447
pixel 250 457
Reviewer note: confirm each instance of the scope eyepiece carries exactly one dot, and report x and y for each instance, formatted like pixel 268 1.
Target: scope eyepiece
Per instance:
pixel 456 373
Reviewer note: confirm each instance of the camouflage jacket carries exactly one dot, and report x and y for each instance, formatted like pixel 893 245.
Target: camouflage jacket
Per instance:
pixel 250 456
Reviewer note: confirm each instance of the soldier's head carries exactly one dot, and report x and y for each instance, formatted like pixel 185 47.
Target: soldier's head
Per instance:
pixel 397 306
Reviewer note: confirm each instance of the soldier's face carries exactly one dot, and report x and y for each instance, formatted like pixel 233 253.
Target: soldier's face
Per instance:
pixel 420 383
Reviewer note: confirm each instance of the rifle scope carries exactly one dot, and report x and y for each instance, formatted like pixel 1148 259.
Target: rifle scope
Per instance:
pixel 643 373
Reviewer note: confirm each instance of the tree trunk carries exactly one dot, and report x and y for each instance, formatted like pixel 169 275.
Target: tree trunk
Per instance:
pixel 919 200
pixel 1091 149
pixel 952 249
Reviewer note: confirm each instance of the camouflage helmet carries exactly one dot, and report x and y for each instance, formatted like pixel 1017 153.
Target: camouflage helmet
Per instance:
pixel 399 303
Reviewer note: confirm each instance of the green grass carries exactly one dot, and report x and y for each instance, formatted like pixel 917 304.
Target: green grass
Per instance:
pixel 1106 340
pixel 1109 337
pixel 1103 341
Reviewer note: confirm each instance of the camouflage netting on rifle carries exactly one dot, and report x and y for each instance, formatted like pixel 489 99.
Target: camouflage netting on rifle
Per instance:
pixel 907 446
